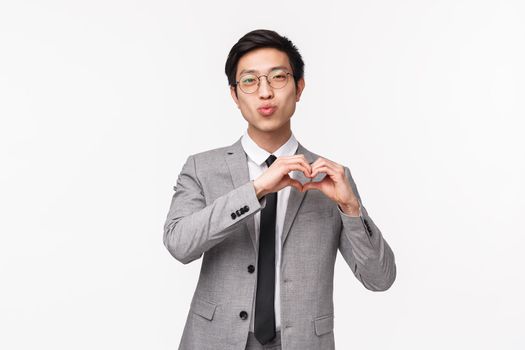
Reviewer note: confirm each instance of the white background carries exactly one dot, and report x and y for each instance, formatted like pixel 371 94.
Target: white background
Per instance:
pixel 102 101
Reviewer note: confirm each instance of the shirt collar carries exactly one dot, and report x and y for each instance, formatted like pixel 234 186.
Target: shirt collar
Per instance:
pixel 259 155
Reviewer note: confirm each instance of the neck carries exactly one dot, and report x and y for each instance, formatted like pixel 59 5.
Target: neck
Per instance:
pixel 270 141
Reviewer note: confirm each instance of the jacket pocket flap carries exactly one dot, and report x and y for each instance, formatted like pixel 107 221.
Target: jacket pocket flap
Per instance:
pixel 324 324
pixel 203 308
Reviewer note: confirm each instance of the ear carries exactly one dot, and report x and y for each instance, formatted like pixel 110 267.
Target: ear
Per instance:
pixel 300 88
pixel 234 95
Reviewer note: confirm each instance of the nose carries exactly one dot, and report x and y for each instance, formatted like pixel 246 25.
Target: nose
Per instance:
pixel 265 90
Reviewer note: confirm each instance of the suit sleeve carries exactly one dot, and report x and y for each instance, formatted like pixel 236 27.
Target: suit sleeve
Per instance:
pixel 191 227
pixel 364 248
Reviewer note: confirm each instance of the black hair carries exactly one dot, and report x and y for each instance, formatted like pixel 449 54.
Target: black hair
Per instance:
pixel 261 38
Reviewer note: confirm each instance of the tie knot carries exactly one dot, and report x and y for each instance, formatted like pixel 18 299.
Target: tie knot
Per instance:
pixel 270 160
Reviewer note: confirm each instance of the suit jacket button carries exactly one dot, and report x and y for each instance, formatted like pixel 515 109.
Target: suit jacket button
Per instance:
pixel 239 212
pixel 246 208
pixel 243 315
pixel 251 268
pixel 234 216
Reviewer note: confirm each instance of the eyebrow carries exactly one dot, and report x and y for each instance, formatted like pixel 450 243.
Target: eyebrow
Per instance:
pixel 256 71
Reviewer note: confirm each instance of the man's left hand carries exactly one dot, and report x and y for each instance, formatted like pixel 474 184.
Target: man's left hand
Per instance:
pixel 335 185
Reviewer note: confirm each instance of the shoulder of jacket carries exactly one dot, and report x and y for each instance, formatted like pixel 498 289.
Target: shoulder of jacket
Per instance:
pixel 209 154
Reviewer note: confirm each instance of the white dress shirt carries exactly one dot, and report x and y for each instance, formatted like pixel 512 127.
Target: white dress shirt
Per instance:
pixel 256 166
pixel 256 157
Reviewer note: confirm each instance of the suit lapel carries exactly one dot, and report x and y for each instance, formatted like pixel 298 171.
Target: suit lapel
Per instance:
pixel 238 165
pixel 296 197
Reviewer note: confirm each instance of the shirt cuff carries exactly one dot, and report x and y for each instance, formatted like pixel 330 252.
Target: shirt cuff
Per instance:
pixel 351 216
pixel 262 201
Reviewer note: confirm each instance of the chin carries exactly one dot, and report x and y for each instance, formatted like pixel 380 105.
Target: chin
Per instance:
pixel 266 124
pixel 269 127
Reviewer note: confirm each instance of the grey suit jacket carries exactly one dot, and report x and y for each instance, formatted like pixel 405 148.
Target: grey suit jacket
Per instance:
pixel 211 215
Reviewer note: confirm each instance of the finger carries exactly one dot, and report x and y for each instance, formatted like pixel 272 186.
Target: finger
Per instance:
pixel 287 168
pixel 298 157
pixel 286 165
pixel 329 163
pixel 334 173
pixel 317 161
pixel 324 161
pixel 312 186
pixel 296 184
pixel 298 165
pixel 288 181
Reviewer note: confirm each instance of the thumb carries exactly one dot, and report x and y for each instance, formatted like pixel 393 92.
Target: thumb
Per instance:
pixel 311 186
pixel 297 184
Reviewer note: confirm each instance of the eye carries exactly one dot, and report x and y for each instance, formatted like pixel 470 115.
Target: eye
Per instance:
pixel 248 80
pixel 278 75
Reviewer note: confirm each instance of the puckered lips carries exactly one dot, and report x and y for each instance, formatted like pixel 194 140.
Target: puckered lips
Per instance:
pixel 267 109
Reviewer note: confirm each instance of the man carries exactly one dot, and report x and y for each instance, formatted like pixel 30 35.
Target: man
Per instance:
pixel 269 239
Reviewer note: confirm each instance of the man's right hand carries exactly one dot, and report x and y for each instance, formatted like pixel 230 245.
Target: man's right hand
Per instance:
pixel 276 176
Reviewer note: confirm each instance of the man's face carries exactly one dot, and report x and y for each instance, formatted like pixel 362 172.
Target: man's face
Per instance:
pixel 262 61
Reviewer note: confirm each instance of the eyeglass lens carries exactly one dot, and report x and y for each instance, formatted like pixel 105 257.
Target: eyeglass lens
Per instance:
pixel 250 82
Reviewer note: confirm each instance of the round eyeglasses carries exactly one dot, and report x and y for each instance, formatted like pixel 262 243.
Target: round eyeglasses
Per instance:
pixel 249 83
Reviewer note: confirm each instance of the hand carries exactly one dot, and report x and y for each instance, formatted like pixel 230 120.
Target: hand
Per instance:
pixel 276 176
pixel 335 185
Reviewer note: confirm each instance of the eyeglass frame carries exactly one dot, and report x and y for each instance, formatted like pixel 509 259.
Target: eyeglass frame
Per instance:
pixel 259 81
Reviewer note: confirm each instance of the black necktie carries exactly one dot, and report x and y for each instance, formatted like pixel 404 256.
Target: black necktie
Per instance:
pixel 264 327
